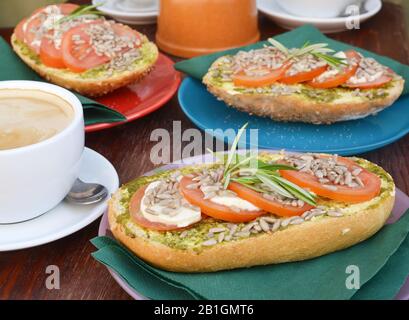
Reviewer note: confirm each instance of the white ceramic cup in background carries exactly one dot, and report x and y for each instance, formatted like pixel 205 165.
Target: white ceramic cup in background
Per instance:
pixel 136 5
pixel 316 8
pixel 37 177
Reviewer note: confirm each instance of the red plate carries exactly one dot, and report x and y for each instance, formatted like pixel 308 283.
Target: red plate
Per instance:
pixel 139 99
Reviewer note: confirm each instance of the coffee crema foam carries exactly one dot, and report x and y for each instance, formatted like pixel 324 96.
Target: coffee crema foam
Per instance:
pixel 29 116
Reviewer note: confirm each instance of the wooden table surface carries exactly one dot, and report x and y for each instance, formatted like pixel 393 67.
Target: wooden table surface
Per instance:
pixel 22 273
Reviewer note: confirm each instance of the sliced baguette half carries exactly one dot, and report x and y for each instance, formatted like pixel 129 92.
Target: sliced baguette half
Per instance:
pixel 302 103
pixel 92 83
pixel 310 239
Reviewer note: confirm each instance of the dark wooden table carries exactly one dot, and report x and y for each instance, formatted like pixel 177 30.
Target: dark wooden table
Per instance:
pixel 22 273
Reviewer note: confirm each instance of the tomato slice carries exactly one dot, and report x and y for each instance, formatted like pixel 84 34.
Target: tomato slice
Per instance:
pixel 304 76
pixel 137 217
pixel 35 30
pixel 342 76
pixel 50 55
pixel 130 34
pixel 242 80
pixel 80 57
pixel 371 188
pixel 370 85
pixel 258 200
pixel 215 210
pixel 19 31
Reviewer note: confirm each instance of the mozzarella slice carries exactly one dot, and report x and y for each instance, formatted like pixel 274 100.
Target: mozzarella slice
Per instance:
pixel 183 216
pixel 235 202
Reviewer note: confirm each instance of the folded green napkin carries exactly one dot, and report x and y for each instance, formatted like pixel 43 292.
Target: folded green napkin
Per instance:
pixel 197 67
pixel 12 68
pixel 382 260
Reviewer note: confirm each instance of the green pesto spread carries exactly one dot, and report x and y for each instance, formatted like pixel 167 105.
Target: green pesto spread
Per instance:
pixel 196 234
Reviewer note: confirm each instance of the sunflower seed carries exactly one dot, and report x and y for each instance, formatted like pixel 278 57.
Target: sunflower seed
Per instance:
pixel 264 225
pixel 209 243
pixel 286 222
pixel 334 213
pixel 220 238
pixel 357 179
pixel 217 230
pixel 210 195
pixel 163 196
pixel 356 171
pixel 248 227
pixel 242 234
pixel 233 229
pixel 276 225
pixel 165 202
pixel 305 214
pixel 150 211
pixel 257 227
pixel 207 189
pixel 297 220
pixel 268 219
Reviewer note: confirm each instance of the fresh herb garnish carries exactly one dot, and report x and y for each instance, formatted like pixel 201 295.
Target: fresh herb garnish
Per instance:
pixel 319 50
pixel 252 172
pixel 81 11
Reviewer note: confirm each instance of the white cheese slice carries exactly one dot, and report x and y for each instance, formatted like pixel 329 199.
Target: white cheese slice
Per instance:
pixel 235 202
pixel 183 217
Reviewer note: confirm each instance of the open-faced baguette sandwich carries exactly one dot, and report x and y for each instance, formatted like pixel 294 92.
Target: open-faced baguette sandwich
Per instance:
pixel 240 212
pixel 310 84
pixel 76 48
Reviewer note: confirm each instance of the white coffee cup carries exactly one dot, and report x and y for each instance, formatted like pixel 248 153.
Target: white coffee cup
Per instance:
pixel 136 5
pixel 316 8
pixel 37 177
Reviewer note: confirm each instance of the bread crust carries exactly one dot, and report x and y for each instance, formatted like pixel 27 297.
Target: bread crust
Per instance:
pixel 299 242
pixel 296 108
pixel 87 87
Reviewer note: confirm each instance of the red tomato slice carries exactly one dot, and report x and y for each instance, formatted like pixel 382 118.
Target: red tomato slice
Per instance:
pixel 79 58
pixel 49 54
pixel 370 85
pixel 125 31
pixel 137 217
pixel 342 76
pixel 242 80
pixel 303 76
pixel 371 188
pixel 214 210
pixel 33 32
pixel 18 31
pixel 268 205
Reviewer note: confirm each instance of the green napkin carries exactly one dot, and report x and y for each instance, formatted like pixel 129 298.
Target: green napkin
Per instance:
pixel 197 67
pixel 12 68
pixel 383 269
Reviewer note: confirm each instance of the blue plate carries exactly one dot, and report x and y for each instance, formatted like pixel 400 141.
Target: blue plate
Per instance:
pixel 344 138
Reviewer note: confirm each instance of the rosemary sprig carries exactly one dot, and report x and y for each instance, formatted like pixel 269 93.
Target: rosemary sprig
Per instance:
pixel 82 10
pixel 239 169
pixel 331 60
pixel 319 50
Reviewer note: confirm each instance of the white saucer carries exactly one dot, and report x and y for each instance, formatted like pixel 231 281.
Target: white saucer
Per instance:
pixel 326 25
pixel 112 9
pixel 66 218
